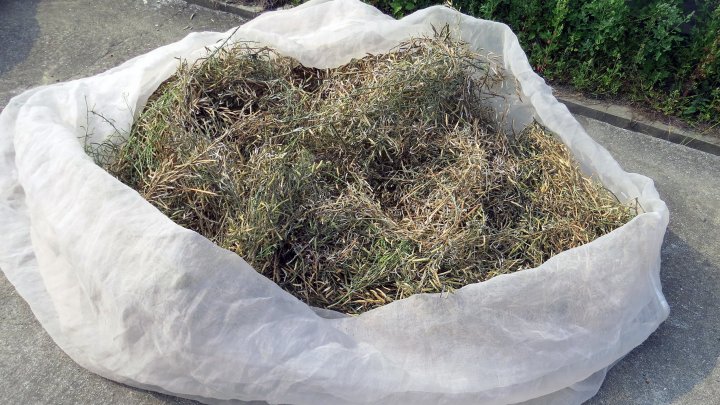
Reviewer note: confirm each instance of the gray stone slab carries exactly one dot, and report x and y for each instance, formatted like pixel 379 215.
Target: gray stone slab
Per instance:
pixel 625 117
pixel 44 41
pixel 242 8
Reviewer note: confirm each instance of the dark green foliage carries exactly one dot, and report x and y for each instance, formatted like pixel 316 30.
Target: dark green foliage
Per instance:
pixel 632 48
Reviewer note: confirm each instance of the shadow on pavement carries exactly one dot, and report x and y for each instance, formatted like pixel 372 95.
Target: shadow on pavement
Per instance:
pixel 685 348
pixel 18 31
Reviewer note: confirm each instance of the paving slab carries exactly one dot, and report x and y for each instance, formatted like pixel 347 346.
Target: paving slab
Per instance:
pixel 44 41
pixel 639 120
pixel 247 9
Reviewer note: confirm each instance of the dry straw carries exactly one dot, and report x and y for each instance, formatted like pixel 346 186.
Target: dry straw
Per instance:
pixel 357 186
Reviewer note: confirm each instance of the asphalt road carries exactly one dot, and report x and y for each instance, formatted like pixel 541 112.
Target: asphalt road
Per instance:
pixel 43 41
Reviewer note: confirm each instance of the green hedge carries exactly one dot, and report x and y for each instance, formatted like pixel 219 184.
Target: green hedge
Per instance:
pixel 648 50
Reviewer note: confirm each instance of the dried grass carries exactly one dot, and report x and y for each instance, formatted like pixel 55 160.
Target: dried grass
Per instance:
pixel 357 186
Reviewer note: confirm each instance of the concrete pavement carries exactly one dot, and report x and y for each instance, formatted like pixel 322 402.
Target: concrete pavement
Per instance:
pixel 43 41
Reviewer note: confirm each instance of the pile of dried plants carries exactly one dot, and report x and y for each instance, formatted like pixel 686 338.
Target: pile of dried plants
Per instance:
pixel 356 186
